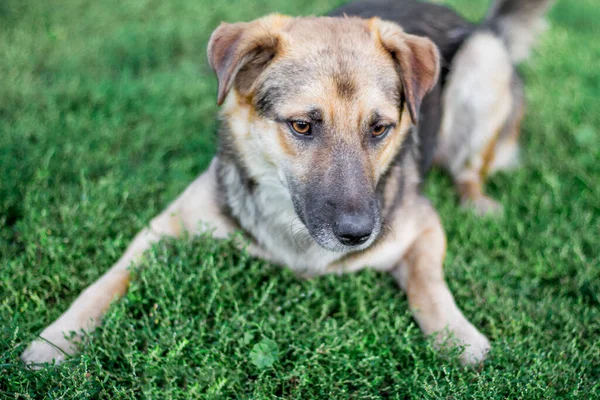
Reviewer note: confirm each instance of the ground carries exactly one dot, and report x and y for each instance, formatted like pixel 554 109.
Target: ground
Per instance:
pixel 107 111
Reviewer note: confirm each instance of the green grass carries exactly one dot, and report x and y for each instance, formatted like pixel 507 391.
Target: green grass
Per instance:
pixel 107 111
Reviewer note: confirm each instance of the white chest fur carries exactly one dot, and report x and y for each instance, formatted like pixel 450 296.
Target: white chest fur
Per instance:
pixel 267 213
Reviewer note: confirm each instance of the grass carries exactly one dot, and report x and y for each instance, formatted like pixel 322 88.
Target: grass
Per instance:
pixel 107 111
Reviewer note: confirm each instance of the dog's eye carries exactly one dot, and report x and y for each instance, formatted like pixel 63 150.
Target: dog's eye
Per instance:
pixel 380 130
pixel 301 127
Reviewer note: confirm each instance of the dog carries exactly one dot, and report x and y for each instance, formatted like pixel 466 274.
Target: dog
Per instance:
pixel 473 120
pixel 321 139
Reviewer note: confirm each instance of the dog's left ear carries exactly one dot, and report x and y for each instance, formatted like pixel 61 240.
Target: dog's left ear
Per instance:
pixel 418 61
pixel 239 52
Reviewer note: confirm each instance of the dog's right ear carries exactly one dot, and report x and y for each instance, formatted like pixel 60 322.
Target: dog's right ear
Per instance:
pixel 239 52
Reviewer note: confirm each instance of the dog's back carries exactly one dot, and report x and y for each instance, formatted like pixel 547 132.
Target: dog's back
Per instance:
pixel 439 23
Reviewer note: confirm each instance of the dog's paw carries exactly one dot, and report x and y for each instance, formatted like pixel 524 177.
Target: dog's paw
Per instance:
pixel 53 346
pixel 39 352
pixel 475 344
pixel 483 206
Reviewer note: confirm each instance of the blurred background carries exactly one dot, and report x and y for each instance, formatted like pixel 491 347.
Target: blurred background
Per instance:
pixel 107 112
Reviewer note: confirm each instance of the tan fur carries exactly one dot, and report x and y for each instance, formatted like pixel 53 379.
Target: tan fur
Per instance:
pixel 351 83
pixel 233 45
pixel 420 275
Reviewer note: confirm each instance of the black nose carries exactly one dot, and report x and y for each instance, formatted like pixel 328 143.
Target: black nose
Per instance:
pixel 353 229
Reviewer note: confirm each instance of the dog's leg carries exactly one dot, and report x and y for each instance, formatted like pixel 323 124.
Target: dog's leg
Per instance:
pixel 85 312
pixel 413 252
pixel 420 274
pixel 195 206
pixel 506 152
pixel 500 152
pixel 477 101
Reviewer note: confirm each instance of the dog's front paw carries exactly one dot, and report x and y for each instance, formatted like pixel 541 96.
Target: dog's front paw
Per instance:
pixel 39 352
pixel 53 346
pixel 476 345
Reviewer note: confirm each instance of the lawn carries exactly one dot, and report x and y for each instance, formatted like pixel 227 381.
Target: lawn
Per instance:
pixel 107 112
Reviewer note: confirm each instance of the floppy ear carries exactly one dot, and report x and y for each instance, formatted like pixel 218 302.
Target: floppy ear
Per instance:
pixel 418 61
pixel 239 52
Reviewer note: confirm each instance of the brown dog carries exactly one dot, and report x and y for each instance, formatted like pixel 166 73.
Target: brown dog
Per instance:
pixel 318 142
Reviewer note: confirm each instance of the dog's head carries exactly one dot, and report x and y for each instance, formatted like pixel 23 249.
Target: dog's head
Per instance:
pixel 323 105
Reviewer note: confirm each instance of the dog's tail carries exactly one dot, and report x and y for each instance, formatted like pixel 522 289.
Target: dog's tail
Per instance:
pixel 518 22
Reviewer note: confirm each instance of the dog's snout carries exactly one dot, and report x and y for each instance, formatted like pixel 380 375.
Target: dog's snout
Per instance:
pixel 353 229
